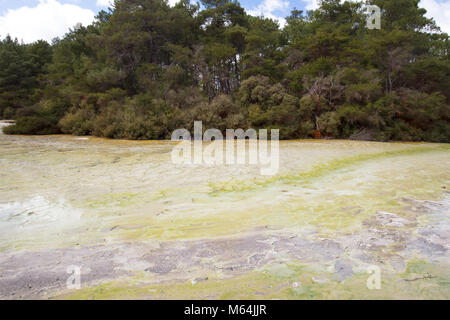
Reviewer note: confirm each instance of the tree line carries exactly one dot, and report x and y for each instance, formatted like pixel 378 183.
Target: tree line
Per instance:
pixel 144 69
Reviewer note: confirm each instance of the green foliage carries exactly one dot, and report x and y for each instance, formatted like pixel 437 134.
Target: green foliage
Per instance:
pixel 34 124
pixel 144 69
pixel 21 70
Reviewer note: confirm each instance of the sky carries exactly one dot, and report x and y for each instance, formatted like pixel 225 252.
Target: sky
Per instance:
pixel 32 20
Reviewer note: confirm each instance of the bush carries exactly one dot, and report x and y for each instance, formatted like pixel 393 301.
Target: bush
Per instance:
pixel 36 124
pixel 130 121
pixel 9 113
pixel 78 122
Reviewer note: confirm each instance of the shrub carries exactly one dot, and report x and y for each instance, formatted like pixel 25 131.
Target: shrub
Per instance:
pixel 9 113
pixel 36 124
pixel 78 122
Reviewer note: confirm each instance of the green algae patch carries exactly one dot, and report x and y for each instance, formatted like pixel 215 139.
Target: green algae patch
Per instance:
pixel 318 170
pixel 111 200
pixel 333 204
pixel 423 271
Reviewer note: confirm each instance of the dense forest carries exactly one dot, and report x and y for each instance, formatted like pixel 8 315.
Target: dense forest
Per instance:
pixel 144 69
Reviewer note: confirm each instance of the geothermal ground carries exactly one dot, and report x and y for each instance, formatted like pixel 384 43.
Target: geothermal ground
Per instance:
pixel 140 227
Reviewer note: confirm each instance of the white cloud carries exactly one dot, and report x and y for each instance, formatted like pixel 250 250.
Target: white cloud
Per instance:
pixel 104 3
pixel 49 19
pixel 314 4
pixel 311 4
pixel 108 3
pixel 440 11
pixel 268 8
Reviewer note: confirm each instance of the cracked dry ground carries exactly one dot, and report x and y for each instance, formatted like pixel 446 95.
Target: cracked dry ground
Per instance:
pixel 141 227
